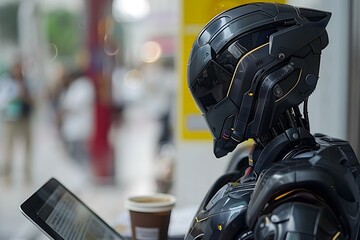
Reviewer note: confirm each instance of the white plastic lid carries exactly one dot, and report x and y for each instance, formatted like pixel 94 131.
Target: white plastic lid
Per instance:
pixel 158 202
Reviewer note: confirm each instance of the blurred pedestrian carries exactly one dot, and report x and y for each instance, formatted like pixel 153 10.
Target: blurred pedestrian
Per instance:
pixel 54 95
pixel 16 107
pixel 77 116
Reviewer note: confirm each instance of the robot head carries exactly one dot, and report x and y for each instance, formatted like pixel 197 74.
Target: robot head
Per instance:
pixel 250 64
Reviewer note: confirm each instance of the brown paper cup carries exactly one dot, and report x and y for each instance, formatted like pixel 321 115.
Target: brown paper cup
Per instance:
pixel 150 216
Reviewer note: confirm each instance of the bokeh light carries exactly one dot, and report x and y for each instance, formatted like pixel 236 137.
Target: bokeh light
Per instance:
pixel 150 52
pixel 54 52
pixel 111 48
pixel 126 10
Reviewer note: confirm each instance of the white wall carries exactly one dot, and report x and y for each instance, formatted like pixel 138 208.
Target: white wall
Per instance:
pixel 196 170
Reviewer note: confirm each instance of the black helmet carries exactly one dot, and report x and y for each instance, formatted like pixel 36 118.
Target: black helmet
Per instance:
pixel 250 64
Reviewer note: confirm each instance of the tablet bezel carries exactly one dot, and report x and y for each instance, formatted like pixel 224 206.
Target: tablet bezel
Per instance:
pixel 36 201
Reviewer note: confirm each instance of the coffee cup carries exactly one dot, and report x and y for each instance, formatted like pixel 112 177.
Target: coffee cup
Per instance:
pixel 150 215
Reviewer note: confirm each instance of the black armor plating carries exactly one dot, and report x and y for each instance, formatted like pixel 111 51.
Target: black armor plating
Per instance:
pixel 323 179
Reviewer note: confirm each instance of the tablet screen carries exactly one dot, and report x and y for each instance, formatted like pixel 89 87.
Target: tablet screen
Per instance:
pixel 61 215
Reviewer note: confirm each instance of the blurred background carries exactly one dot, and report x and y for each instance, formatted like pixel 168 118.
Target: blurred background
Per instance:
pixel 104 108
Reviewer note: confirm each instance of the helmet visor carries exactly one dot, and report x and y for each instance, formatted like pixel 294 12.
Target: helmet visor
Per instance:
pixel 211 86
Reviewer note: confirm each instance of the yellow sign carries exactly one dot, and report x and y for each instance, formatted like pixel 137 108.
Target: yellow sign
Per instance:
pixel 195 14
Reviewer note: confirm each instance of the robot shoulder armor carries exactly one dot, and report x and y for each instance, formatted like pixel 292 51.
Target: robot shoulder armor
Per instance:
pixel 336 150
pixel 329 172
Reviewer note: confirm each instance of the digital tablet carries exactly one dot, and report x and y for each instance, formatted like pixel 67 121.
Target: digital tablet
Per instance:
pixel 61 215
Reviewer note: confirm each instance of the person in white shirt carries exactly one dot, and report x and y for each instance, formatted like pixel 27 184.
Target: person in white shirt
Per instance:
pixel 77 116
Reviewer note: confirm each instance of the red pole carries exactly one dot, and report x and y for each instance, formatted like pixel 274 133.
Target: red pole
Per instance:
pixel 100 148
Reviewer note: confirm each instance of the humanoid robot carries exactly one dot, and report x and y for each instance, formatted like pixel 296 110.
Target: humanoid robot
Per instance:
pixel 251 71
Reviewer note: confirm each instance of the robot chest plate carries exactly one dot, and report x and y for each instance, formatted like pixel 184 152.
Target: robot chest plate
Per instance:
pixel 225 214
